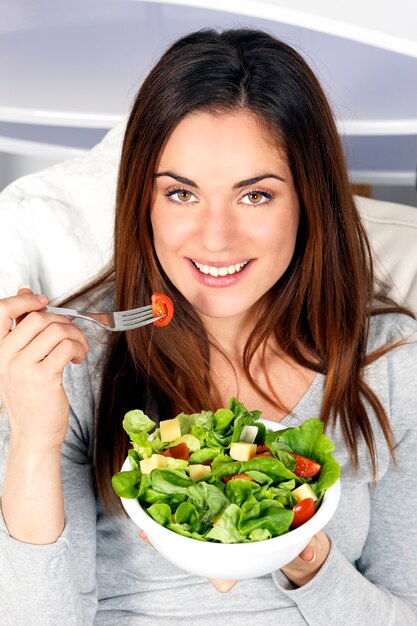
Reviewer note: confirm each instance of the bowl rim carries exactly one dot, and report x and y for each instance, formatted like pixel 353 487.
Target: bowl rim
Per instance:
pixel 297 535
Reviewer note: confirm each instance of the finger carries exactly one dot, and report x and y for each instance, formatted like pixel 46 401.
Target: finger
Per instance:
pixel 65 352
pixel 145 538
pixel 54 334
pixel 23 289
pixel 15 306
pixel 33 325
pixel 309 552
pixel 222 585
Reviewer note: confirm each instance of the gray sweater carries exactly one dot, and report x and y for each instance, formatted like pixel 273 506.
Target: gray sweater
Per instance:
pixel 99 571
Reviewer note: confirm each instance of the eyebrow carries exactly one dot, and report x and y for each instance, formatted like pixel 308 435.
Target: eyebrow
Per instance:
pixel 239 185
pixel 180 179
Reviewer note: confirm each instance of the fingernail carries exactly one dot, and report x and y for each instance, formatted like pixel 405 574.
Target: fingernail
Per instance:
pixel 24 286
pixel 314 555
pixel 43 298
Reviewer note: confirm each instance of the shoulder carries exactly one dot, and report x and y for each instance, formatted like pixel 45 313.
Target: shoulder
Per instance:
pixel 393 376
pixel 391 328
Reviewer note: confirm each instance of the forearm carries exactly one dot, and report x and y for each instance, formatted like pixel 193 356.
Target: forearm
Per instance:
pixel 32 500
pixel 339 594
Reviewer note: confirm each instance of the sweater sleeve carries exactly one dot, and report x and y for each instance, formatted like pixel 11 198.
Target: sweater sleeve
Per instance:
pixel 56 583
pixel 381 587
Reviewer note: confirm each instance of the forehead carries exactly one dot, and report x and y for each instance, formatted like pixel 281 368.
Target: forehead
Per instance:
pixel 232 141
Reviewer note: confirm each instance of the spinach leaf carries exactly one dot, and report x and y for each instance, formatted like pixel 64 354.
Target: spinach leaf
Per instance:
pixel 208 500
pixel 161 513
pixel 226 528
pixel 223 418
pixel 273 517
pixel 186 514
pixel 169 481
pixel 308 440
pixel 238 490
pixel 126 484
pixel 273 468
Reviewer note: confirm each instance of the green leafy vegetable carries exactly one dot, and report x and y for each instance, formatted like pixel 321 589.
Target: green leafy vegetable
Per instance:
pixel 255 505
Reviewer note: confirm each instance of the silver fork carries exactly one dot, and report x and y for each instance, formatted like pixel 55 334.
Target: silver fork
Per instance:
pixel 115 321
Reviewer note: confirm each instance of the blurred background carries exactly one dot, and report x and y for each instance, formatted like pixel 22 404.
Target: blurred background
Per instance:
pixel 69 70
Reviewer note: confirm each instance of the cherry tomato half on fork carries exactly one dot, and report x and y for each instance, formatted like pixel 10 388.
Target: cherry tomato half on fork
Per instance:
pixel 162 305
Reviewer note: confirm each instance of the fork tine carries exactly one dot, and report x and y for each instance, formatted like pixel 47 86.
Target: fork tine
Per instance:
pixel 143 323
pixel 139 320
pixel 135 317
pixel 135 312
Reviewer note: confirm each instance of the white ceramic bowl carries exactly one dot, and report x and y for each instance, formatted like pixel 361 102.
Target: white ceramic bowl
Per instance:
pixel 231 561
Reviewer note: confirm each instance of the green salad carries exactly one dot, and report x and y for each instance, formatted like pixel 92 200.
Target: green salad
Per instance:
pixel 223 476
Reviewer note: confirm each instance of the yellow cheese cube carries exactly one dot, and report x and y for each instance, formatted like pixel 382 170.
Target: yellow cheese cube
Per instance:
pixel 198 471
pixel 303 492
pixel 242 451
pixel 170 429
pixel 217 519
pixel 155 461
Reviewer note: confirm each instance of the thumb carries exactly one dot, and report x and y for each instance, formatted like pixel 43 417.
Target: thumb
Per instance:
pixel 309 552
pixel 24 289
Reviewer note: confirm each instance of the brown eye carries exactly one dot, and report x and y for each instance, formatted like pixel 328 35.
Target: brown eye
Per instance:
pixel 255 197
pixel 183 195
pixel 180 195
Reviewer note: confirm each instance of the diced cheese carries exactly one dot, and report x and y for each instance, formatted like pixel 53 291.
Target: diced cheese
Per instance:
pixel 198 471
pixel 242 451
pixel 217 519
pixel 248 434
pixel 170 430
pixel 155 461
pixel 303 492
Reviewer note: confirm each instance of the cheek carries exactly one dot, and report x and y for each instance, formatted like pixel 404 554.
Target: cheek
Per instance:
pixel 162 226
pixel 170 232
pixel 279 234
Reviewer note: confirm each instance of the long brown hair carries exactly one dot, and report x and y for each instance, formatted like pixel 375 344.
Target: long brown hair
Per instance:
pixel 320 307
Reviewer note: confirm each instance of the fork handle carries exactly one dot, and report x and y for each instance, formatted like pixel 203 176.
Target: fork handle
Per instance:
pixel 70 313
pixel 60 311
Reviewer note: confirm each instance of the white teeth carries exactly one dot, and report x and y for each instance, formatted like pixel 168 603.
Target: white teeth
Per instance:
pixel 220 271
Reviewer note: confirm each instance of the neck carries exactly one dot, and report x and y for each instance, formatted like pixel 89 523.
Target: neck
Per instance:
pixel 229 334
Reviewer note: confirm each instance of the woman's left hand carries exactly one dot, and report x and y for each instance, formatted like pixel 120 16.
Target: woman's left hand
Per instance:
pixel 306 565
pixel 299 571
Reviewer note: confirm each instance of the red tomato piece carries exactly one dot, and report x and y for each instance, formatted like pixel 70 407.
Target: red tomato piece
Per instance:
pixel 162 305
pixel 180 451
pixel 239 476
pixel 303 511
pixel 263 455
pixel 305 467
pixel 261 447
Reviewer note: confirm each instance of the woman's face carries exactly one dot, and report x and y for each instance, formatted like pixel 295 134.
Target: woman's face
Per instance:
pixel 224 213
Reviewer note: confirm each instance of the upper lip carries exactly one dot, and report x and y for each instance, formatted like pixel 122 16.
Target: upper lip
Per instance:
pixel 219 263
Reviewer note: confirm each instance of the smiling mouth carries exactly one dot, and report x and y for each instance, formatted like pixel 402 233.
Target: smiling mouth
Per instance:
pixel 226 270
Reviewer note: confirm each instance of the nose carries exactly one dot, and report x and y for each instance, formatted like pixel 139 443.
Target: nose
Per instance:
pixel 218 228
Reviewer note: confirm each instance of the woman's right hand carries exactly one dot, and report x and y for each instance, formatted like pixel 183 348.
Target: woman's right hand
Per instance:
pixel 33 355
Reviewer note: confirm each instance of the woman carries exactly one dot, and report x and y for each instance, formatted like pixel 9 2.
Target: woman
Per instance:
pixel 233 199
